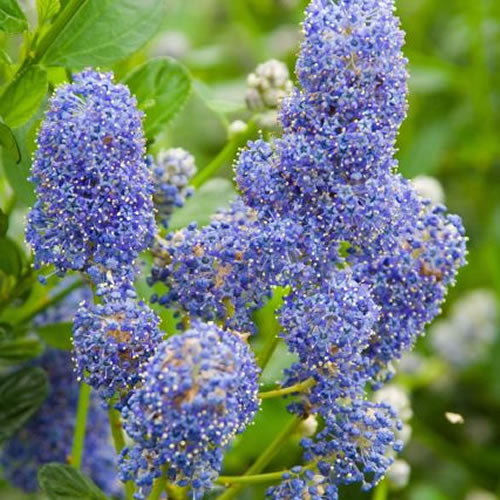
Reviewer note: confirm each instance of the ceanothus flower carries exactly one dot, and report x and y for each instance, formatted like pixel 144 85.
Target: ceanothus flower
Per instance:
pixel 112 341
pixel 226 270
pixel 410 284
pixel 94 190
pixel 198 391
pixel 355 444
pixel 172 169
pixel 301 483
pixel 48 434
pixel 329 325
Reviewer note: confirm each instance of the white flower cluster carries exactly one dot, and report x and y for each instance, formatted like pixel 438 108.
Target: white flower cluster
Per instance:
pixel 471 328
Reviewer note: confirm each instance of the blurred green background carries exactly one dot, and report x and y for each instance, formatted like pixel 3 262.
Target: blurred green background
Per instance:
pixel 452 133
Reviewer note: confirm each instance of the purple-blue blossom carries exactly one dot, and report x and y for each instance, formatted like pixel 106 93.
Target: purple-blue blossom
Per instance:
pixel 225 270
pixel 197 392
pixel 112 341
pixel 94 189
pixel 172 170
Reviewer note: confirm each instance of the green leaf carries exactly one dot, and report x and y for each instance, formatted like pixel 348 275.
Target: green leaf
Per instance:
pixel 4 223
pixel 162 87
pixel 23 96
pixel 18 173
pixel 9 143
pixel 16 350
pixel 104 31
pixel 12 18
pixel 11 261
pixel 46 9
pixel 57 335
pixel 21 394
pixel 214 194
pixel 63 482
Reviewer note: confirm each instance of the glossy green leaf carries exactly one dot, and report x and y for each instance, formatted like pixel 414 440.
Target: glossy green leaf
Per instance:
pixel 9 143
pixel 21 394
pixel 18 173
pixel 16 350
pixel 104 31
pixel 23 96
pixel 162 87
pixel 63 482
pixel 214 194
pixel 12 18
pixel 11 260
pixel 57 335
pixel 46 9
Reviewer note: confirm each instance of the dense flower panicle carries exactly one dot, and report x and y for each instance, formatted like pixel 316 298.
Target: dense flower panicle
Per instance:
pixel 331 325
pixel 410 284
pixel 466 335
pixel 111 343
pixel 197 393
pixel 303 483
pixel 172 170
pixel 353 76
pixel 48 435
pixel 226 270
pixel 93 186
pixel 355 444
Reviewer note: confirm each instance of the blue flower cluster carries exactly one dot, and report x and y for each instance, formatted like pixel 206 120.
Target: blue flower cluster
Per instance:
pixel 94 214
pixel 48 435
pixel 225 270
pixel 197 392
pixel 94 189
pixel 323 212
pixel 111 342
pixel 172 170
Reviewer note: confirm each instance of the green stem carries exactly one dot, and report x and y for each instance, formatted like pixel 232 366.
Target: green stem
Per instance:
pixel 256 478
pixel 119 442
pixel 268 351
pixel 159 486
pixel 381 491
pixel 66 15
pixel 49 302
pixel 265 458
pixel 80 426
pixel 302 386
pixel 225 156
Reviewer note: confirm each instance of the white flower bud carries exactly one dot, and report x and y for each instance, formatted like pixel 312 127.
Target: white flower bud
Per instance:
pixel 429 187
pixel 268 85
pixel 398 474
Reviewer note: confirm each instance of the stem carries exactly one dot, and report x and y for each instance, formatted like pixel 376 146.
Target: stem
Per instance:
pixel 59 24
pixel 302 386
pixel 49 302
pixel 265 458
pixel 80 425
pixel 159 485
pixel 268 351
pixel 225 156
pixel 256 478
pixel 381 491
pixel 119 442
